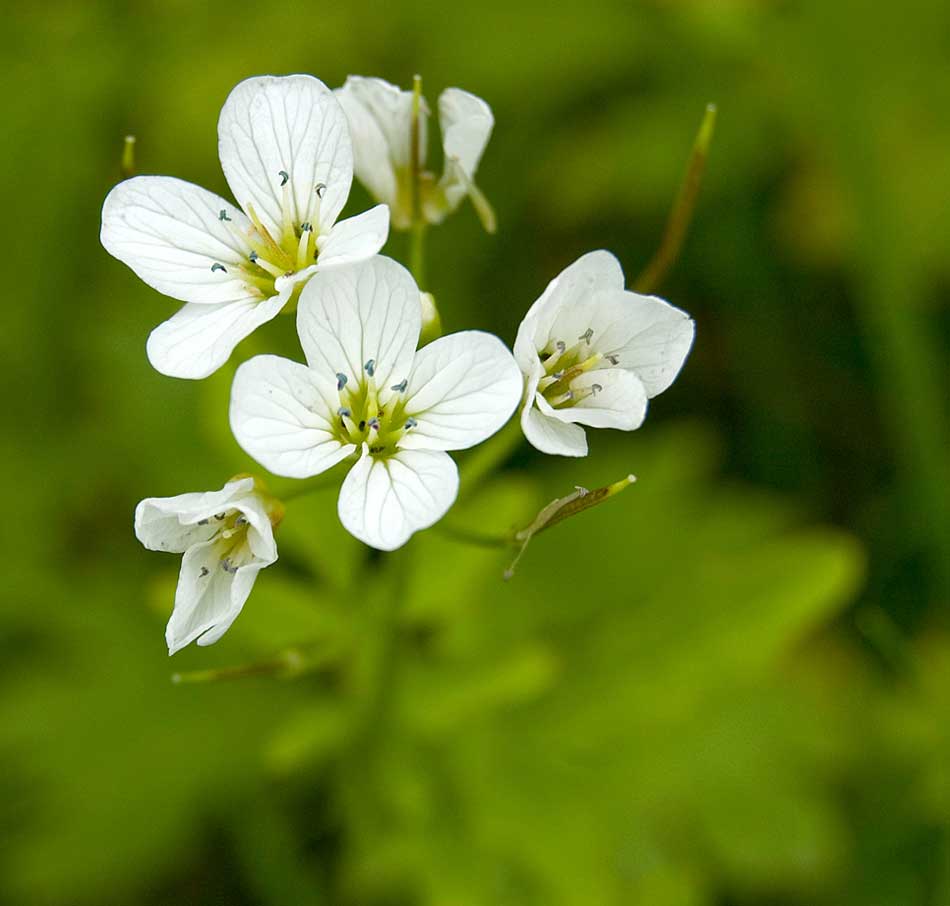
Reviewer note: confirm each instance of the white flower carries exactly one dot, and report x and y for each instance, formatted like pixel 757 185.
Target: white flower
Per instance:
pixel 366 390
pixel 593 353
pixel 286 154
pixel 226 537
pixel 380 115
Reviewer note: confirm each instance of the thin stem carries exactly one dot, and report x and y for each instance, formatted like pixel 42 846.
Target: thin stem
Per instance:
pixel 477 539
pixel 127 167
pixel 417 233
pixel 682 211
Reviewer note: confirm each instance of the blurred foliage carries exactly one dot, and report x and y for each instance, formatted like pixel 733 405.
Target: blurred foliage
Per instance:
pixel 727 686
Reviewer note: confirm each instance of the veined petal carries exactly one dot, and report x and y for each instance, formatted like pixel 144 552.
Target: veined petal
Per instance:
pixel 292 124
pixel 356 238
pixel 384 501
pixel 282 414
pixel 591 273
pixel 652 339
pixel 466 122
pixel 556 438
pixel 173 523
pixel 351 314
pixel 379 115
pixel 462 389
pixel 198 339
pixel 208 598
pixel 620 401
pixel 172 235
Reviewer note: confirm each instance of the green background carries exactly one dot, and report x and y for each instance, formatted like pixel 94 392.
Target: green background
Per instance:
pixel 730 685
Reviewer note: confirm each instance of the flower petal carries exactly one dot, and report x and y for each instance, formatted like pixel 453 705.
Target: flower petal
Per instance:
pixel 351 314
pixel 208 598
pixel 171 234
pixel 466 122
pixel 172 523
pixel 652 340
pixel 282 414
pixel 198 339
pixel 591 273
pixel 620 402
pixel 379 115
pixel 384 501
pixel 356 238
pixel 462 389
pixel 556 438
pixel 292 124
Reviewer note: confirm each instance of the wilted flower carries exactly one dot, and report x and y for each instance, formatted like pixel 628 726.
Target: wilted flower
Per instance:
pixel 366 390
pixel 286 154
pixel 380 115
pixel 593 353
pixel 226 537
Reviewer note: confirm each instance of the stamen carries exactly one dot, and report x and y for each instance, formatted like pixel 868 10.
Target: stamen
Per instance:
pixel 220 516
pixel 613 359
pixel 218 267
pixel 595 389
pixel 587 335
pixel 401 386
pixel 204 572
pixel 228 566
pixel 241 520
pixel 563 398
pixel 373 424
pixel 320 189
pixel 264 264
pixel 284 177
pixel 223 215
pixel 341 380
pixel 411 423
pixel 303 246
pixel 203 521
pixel 370 367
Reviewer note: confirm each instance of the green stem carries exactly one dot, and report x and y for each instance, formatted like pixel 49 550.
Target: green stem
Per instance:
pixel 418 229
pixel 682 211
pixel 495 452
pixel 477 539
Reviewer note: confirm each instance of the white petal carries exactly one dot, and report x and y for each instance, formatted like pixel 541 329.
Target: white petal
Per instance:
pixel 466 122
pixel 379 115
pixel 591 273
pixel 356 238
pixel 171 234
pixel 290 123
pixel 551 436
pixel 208 598
pixel 198 339
pixel 620 403
pixel 652 339
pixel 172 523
pixel 384 501
pixel 462 389
pixel 282 414
pixel 350 314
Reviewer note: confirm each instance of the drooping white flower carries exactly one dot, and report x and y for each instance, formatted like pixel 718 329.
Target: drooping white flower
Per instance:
pixel 380 115
pixel 226 537
pixel 367 392
pixel 593 353
pixel 286 154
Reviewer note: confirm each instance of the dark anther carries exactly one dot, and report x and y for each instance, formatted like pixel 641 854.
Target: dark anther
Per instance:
pixel 370 367
pixel 587 335
pixel 596 388
pixel 305 228
pixel 223 215
pixel 220 516
pixel 411 423
pixel 341 380
pixel 401 386
pixel 202 522
pixel 252 257
pixel 284 177
pixel 374 423
pixel 241 520
pixel 218 267
pixel 204 571
pixel 343 412
pixel 613 359
pixel 320 188
pixel 560 345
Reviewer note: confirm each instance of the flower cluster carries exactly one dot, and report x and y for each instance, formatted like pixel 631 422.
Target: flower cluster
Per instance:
pixel 589 352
